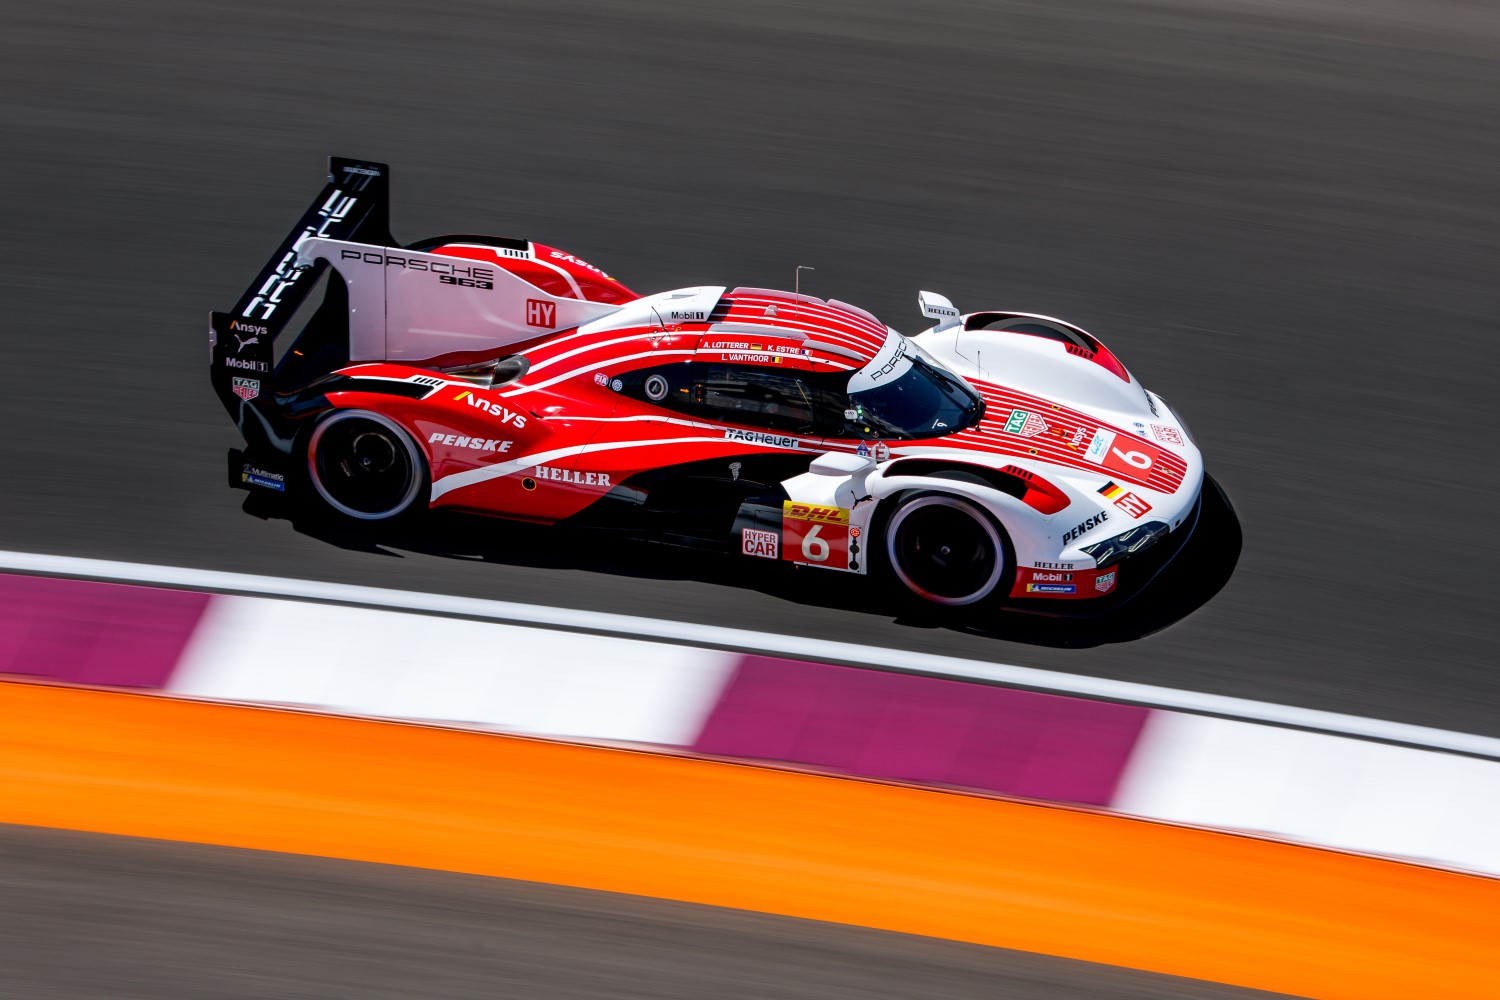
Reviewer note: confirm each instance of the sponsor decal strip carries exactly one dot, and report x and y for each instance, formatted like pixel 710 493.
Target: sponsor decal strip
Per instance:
pixel 634 337
pixel 1169 467
pixel 860 345
pixel 821 312
pixel 1045 451
pixel 470 477
pixel 1165 475
pixel 840 328
pixel 738 354
pixel 519 390
pixel 639 418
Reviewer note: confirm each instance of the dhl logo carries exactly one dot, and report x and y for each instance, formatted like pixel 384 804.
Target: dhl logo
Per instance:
pixel 810 512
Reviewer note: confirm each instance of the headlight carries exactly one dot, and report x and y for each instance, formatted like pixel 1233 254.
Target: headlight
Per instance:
pixel 1137 539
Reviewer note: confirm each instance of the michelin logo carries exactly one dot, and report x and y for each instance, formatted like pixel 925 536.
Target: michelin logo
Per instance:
pixel 262 478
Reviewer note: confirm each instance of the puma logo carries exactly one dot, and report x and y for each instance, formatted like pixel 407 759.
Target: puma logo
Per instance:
pixel 245 343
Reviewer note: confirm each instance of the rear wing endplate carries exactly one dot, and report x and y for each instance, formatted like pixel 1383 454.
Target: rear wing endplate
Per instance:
pixel 353 205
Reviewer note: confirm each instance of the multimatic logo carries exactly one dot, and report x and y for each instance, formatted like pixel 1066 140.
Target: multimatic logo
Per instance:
pixel 260 477
pixel 1086 526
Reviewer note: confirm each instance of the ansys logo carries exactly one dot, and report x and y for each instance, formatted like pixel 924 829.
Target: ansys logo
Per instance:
pixel 245 334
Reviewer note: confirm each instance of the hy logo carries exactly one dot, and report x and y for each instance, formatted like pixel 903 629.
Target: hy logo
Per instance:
pixel 540 313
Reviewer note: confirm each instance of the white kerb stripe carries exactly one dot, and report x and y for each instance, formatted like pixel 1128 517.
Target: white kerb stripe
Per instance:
pixel 718 637
pixel 1353 794
pixel 369 662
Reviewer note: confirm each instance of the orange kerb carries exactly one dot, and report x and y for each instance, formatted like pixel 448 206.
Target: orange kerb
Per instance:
pixel 1050 880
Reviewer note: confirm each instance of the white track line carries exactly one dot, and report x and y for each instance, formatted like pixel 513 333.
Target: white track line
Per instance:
pixel 794 647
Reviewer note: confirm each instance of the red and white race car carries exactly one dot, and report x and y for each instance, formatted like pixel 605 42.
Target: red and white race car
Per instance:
pixel 997 455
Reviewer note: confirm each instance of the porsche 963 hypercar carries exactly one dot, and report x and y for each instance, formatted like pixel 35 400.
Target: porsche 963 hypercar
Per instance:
pixel 995 456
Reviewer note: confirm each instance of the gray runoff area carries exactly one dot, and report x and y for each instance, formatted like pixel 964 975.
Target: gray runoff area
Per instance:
pixel 88 915
pixel 1283 217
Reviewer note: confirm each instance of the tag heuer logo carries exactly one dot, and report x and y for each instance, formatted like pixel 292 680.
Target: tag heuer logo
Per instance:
pixel 1025 423
pixel 247 388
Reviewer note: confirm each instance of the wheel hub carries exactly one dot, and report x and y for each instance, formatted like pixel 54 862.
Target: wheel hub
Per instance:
pixel 945 550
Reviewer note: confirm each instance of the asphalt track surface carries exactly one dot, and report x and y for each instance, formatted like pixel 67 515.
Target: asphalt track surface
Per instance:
pixel 1283 216
pixel 90 915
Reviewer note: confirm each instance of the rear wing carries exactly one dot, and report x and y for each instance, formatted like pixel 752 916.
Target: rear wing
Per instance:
pixel 353 205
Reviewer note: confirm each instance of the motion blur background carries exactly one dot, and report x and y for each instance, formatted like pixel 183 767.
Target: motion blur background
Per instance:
pixel 1282 216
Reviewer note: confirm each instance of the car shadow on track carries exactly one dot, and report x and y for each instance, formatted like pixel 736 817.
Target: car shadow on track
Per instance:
pixel 1199 571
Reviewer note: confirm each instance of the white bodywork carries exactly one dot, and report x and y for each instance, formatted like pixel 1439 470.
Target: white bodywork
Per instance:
pixel 401 310
pixel 1042 368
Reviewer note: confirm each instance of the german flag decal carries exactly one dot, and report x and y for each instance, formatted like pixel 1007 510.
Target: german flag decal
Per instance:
pixel 1110 490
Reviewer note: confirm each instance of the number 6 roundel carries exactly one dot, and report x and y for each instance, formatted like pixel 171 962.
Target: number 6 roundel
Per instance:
pixel 1130 457
pixel 814 535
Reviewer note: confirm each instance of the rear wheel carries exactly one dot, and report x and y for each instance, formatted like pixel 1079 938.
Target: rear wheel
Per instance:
pixel 365 466
pixel 945 550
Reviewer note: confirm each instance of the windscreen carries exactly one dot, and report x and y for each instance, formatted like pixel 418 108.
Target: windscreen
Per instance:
pixel 924 401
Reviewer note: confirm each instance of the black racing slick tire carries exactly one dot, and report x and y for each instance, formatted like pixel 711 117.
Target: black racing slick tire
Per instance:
pixel 365 466
pixel 945 550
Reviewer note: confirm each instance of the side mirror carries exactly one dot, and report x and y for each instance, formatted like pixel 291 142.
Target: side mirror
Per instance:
pixel 937 307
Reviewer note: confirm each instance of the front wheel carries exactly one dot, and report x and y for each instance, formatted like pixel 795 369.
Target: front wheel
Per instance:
pixel 945 550
pixel 365 466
